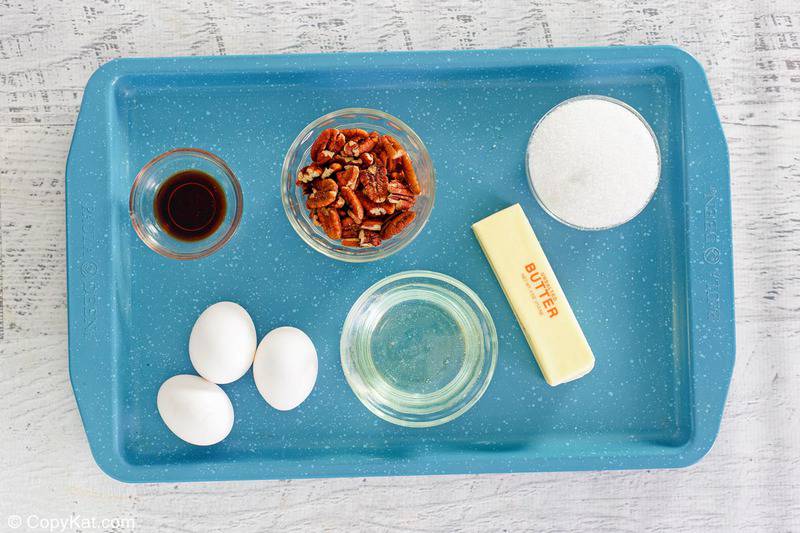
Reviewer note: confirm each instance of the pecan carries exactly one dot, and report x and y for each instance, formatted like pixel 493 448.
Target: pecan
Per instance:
pixel 411 176
pixel 356 211
pixel 371 224
pixel 375 209
pixel 322 142
pixel 351 241
pixel 339 203
pixel 364 146
pixel 398 187
pixel 330 222
pixel 324 194
pixel 382 157
pixel 403 204
pixel 330 169
pixel 355 133
pixel 375 183
pixel 336 143
pixel 392 148
pixel 368 239
pixel 349 228
pixel 345 159
pixel 309 173
pixel 401 196
pixel 397 223
pixel 366 159
pixel 348 177
pixel 350 148
pixel 324 156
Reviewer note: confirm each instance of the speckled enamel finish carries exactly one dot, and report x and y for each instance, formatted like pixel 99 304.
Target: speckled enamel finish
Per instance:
pixel 654 296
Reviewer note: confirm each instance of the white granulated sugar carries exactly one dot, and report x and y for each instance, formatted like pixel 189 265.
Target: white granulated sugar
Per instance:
pixel 593 163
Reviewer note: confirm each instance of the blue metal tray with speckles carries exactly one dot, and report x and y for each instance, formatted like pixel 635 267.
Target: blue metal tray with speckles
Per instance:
pixel 654 296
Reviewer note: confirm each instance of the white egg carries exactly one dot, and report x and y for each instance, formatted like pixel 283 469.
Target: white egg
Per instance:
pixel 223 343
pixel 285 367
pixel 195 409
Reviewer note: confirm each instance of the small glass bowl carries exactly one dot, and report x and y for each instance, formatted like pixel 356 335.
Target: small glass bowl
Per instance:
pixel 154 174
pixel 532 178
pixel 299 155
pixel 418 348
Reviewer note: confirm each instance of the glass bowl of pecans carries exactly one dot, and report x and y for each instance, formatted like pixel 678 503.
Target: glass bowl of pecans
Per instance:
pixel 358 185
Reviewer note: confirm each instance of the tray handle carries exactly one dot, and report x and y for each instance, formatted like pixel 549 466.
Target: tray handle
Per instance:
pixel 710 257
pixel 91 300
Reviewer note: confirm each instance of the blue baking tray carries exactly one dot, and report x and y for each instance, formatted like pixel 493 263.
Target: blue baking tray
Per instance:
pixel 654 296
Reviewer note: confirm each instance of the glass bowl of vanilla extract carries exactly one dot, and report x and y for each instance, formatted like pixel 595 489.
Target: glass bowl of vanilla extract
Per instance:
pixel 185 204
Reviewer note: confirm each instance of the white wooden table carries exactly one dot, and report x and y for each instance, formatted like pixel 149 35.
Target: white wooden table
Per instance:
pixel 751 478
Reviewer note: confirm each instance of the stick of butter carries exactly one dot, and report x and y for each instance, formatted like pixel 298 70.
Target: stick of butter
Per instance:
pixel 531 287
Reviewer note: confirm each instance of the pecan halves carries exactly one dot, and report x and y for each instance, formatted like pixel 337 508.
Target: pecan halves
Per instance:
pixel 336 143
pixel 356 210
pixel 366 160
pixel 410 175
pixel 361 186
pixel 372 224
pixel 331 169
pixel 401 196
pixel 308 174
pixel 322 142
pixel 350 228
pixel 365 146
pixel 348 177
pixel 331 223
pixel 383 157
pixel 349 148
pixel 369 239
pixel 375 209
pixel 323 156
pixel 324 193
pixel 375 183
pixel 355 133
pixel 397 224
pixel 392 148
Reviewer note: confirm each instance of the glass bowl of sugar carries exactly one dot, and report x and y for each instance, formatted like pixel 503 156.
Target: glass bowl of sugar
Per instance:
pixel 593 162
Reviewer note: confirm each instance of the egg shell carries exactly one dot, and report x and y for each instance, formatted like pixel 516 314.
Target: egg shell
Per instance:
pixel 285 367
pixel 195 409
pixel 223 343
